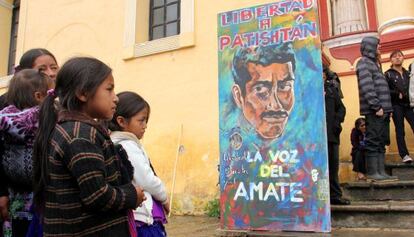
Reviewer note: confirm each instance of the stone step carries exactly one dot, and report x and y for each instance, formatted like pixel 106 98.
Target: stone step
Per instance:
pixel 378 191
pixel 392 157
pixel 374 214
pixel 401 170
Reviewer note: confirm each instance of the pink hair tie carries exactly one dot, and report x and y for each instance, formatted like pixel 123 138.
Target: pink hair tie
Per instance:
pixel 51 92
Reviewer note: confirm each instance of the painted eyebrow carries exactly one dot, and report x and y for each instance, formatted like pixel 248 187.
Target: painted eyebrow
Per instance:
pixel 267 84
pixel 288 78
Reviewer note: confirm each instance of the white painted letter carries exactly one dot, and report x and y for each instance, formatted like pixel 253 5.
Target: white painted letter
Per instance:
pixel 241 191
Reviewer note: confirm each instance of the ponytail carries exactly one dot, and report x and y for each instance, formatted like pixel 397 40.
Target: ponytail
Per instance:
pixel 81 75
pixel 47 121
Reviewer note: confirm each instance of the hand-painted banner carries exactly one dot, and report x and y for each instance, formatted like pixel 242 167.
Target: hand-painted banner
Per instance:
pixel 273 152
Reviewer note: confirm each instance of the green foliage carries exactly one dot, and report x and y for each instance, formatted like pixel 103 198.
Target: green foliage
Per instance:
pixel 212 208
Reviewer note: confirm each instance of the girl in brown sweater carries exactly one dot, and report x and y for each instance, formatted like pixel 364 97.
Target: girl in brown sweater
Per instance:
pixel 78 183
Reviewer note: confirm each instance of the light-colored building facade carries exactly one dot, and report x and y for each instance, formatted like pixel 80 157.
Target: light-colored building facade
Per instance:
pixel 176 71
pixel 6 16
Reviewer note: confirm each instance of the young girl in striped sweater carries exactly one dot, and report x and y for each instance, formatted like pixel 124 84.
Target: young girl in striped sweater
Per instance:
pixel 77 173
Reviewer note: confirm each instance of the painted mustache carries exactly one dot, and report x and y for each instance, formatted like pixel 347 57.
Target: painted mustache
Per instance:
pixel 274 114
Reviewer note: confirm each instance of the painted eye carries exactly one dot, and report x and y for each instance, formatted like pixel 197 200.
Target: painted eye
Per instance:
pixel 260 89
pixel 284 86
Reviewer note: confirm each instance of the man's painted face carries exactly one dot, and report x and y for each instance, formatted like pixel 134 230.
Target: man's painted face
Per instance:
pixel 269 98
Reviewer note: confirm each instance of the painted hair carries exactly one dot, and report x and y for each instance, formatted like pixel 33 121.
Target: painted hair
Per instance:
pixel 263 55
pixel 358 122
pixel 30 56
pixel 23 86
pixel 81 75
pixel 129 104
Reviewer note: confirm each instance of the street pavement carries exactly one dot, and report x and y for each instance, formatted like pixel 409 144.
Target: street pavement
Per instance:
pixel 203 226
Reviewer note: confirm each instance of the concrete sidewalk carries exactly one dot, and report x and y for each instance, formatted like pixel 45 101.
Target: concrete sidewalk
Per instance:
pixel 203 226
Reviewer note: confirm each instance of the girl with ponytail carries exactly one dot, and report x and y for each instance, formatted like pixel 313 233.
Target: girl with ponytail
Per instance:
pixel 78 183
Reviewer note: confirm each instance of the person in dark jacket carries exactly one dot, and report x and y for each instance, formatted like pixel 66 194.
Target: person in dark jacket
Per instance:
pixel 358 148
pixel 375 105
pixel 398 80
pixel 333 77
pixel 335 115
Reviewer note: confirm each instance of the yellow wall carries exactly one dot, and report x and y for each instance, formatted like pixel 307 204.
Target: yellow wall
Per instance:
pixel 5 29
pixel 387 10
pixel 180 86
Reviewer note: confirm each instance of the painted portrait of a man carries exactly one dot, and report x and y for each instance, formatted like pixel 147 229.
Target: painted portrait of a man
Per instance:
pixel 264 87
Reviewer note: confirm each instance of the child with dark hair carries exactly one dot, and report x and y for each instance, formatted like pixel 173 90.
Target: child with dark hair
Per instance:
pixel 39 59
pixel 78 183
pixel 128 127
pixel 358 148
pixel 44 61
pixel 18 125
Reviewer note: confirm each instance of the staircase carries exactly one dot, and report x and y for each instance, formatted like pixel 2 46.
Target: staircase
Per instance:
pixel 379 204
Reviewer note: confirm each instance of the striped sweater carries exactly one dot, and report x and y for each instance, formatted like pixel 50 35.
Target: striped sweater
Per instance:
pixel 84 195
pixel 374 92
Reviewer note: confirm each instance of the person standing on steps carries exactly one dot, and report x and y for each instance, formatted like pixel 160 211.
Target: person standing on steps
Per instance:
pixel 375 105
pixel 398 80
pixel 335 115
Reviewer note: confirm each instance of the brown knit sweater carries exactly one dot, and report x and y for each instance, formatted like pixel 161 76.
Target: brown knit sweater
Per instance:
pixel 84 195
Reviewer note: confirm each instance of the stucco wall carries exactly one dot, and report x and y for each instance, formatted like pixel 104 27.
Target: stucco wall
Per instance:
pixel 181 85
pixel 387 10
pixel 5 28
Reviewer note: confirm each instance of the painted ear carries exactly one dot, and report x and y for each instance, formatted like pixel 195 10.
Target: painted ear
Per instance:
pixel 237 95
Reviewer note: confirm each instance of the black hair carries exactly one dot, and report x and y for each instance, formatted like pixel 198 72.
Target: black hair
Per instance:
pixel 393 53
pixel 263 55
pixel 78 76
pixel 129 104
pixel 30 56
pixel 325 67
pixel 358 122
pixel 330 75
pixel 23 86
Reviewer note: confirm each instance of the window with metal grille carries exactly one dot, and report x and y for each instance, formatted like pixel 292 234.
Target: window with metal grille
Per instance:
pixel 164 18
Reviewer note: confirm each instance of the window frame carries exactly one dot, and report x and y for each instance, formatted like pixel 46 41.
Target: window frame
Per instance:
pixel 136 30
pixel 164 6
